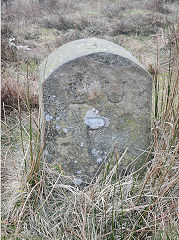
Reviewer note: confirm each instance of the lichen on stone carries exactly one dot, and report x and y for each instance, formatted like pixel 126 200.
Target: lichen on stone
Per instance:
pixel 77 181
pixel 94 120
pixel 48 118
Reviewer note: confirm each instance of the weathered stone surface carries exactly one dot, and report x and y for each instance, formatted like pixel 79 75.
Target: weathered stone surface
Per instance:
pixel 94 95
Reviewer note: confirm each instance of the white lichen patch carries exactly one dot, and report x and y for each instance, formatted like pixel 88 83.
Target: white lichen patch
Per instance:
pixel 65 130
pixel 95 152
pixel 81 144
pixel 48 118
pixel 58 118
pixel 77 181
pixel 99 160
pixel 75 161
pixel 94 120
pixel 58 127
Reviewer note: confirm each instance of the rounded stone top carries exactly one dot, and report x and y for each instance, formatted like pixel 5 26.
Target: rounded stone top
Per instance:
pixel 80 48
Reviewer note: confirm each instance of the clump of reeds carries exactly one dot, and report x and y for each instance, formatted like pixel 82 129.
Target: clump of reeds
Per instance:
pixel 14 88
pixel 113 207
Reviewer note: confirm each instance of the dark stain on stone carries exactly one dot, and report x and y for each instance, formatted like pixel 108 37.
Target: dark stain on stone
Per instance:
pixel 88 141
pixel 65 144
pixel 114 97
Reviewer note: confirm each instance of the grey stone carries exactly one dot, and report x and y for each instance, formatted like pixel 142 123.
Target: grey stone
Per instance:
pixel 94 95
